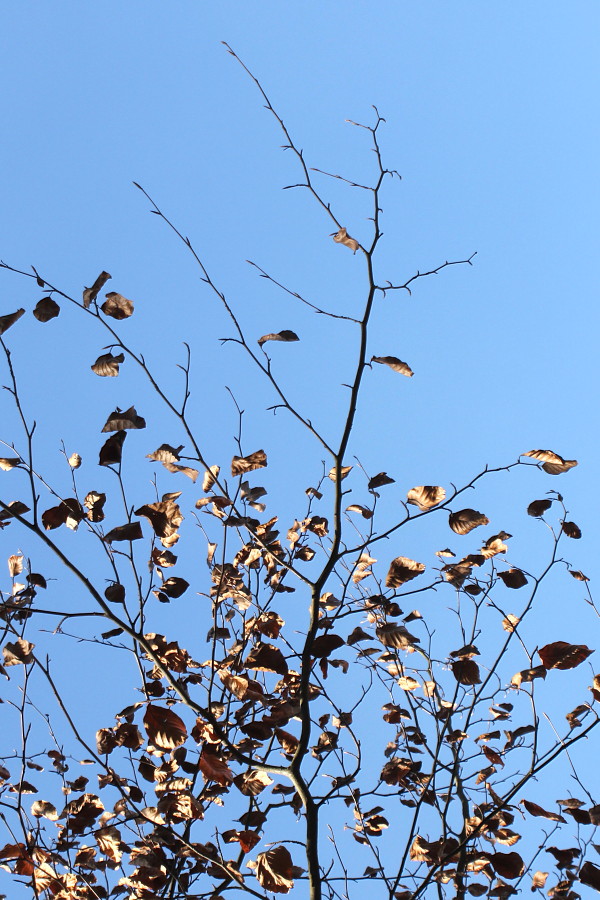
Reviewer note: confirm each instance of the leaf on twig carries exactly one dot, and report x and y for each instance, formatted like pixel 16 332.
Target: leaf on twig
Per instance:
pixel 15 508
pixel 365 513
pixel 117 306
pixel 561 655
pixel 68 513
pixel 402 570
pixel 15 565
pixel 285 335
pixel 397 636
pixel 537 508
pixel 465 520
pixel 553 463
pixel 46 309
pixel 274 870
pixel 242 464
pixel 7 321
pixel 165 517
pixel 527 675
pixel 132 531
pixel 164 728
pixel 90 294
pixel 210 475
pixel 380 480
pixel 342 237
pixel 107 365
pixel 394 363
pixel 112 449
pixel 214 768
pixel 534 810
pixel 18 652
pixel 9 462
pixel 466 671
pixel 344 472
pixel 571 530
pixel 74 460
pixel 426 496
pixel 267 658
pixel 513 578
pixel 119 421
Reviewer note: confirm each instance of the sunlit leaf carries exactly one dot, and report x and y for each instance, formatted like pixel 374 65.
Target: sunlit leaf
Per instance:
pixel 397 636
pixel 561 655
pixel 164 728
pixel 527 675
pixel 8 463
pixel 394 363
pixel 274 870
pixel 44 809
pixel 342 237
pixel 465 520
pixel 90 294
pixel 344 472
pixel 94 503
pixel 116 306
pixel 46 309
pixel 285 335
pixel 403 570
pixel 15 565
pixel 214 768
pixel 7 321
pixel 165 517
pixel 577 575
pixel 242 464
pixel 252 782
pixel 119 421
pixel 365 513
pixel 553 464
pixel 426 496
pixel 15 508
pixel 535 810
pixel 107 365
pixel 19 652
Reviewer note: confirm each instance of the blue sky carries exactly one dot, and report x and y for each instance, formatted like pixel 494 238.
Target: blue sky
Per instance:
pixel 491 122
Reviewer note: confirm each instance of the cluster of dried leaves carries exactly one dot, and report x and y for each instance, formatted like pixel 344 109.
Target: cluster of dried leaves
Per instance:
pixel 304 685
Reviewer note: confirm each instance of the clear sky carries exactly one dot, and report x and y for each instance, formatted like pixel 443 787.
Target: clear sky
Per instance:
pixel 492 122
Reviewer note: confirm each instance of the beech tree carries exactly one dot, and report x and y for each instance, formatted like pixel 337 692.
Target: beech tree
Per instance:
pixel 299 707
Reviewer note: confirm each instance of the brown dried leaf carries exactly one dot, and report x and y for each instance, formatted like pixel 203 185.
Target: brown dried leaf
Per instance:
pixel 210 475
pixel 131 531
pixel 14 508
pixel 44 809
pixel 528 675
pixel 466 671
pixel 394 363
pixel 267 658
pixel 535 810
pixel 561 655
pixel 539 880
pixel 365 513
pixel 214 768
pixel 403 570
pixel 426 496
pixel 275 870
pixel 116 306
pixel 397 636
pixel 407 683
pixel 164 728
pixel 342 237
pixel 324 645
pixel 509 622
pixel 571 530
pixel 537 508
pixel 94 503
pixel 242 464
pixel 285 335
pixel 8 463
pixel 507 865
pixel 119 421
pixel 465 520
pixel 15 565
pixel 90 294
pixel 252 782
pixel 495 545
pixel 513 578
pixel 590 874
pixel 553 464
pixel 577 575
pixel 112 450
pixel 165 517
pixel 344 472
pixel 7 321
pixel 19 652
pixel 107 365
pixel 46 309
pixel 68 513
pixel 380 480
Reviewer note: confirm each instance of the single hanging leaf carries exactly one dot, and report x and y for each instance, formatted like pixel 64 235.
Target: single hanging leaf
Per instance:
pixel 561 655
pixel 426 496
pixel 365 513
pixel 116 306
pixel 577 575
pixel 46 309
pixel 7 321
pixel 397 636
pixel 394 363
pixel 342 237
pixel 8 463
pixel 344 472
pixel 267 658
pixel 166 453
pixel 465 520
pixel 132 531
pixel 553 464
pixel 164 728
pixel 242 464
pixel 118 421
pixel 285 335
pixel 15 565
pixel 380 480
pixel 111 451
pixel 165 517
pixel 274 870
pixel 534 810
pixel 90 294
pixel 107 365
pixel 15 508
pixel 571 530
pixel 402 570
pixel 94 503
pixel 466 671
pixel 210 476
pixel 589 874
pixel 18 653
pixel 42 808
pixel 513 578
pixel 537 508
pixel 74 460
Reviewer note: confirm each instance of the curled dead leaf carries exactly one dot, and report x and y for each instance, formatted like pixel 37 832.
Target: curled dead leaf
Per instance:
pixel 426 496
pixel 465 520
pixel 274 870
pixel 571 530
pixel 344 472
pixel 513 578
pixel 395 364
pixel 7 321
pixel 164 727
pixel 119 421
pixel 561 655
pixel 342 237
pixel 286 336
pixel 402 570
pixel 537 508
pixel 90 294
pixel 112 449
pixel 242 464
pixel 552 463
pixel 46 309
pixel 107 365
pixel 116 306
